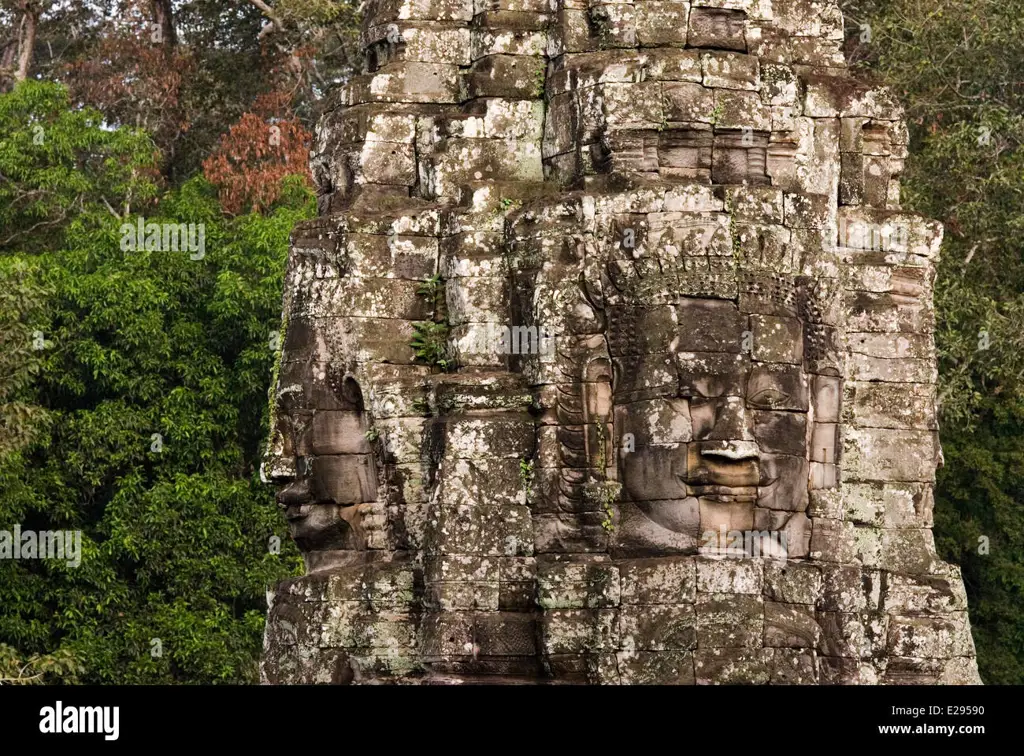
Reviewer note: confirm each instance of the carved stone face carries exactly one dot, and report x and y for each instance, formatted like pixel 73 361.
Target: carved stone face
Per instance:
pixel 715 404
pixel 658 189
pixel 320 457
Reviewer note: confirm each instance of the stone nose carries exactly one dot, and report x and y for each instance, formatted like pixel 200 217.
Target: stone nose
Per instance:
pixel 283 460
pixel 732 428
pixel 295 493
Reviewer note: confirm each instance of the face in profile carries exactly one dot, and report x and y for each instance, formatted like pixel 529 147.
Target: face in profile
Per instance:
pixel 711 419
pixel 320 458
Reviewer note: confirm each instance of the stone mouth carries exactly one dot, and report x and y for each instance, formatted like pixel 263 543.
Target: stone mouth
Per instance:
pixel 718 493
pixel 728 499
pixel 298 512
pixel 741 476
pixel 724 494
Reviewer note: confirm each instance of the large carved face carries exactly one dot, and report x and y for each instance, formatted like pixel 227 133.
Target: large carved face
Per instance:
pixel 715 428
pixel 319 457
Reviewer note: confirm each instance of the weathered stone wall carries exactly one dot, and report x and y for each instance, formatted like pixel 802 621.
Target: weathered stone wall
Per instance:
pixel 595 288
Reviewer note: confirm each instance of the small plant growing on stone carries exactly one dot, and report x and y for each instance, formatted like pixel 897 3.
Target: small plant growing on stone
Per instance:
pixel 716 114
pixel 432 290
pixel 430 337
pixel 372 434
pixel 600 26
pixel 539 80
pixel 526 472
pixel 607 523
pixel 430 344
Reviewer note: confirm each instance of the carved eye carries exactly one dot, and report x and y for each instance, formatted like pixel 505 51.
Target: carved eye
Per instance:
pixel 769 397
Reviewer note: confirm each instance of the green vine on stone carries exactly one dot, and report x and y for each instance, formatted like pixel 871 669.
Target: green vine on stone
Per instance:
pixel 603 493
pixel 539 81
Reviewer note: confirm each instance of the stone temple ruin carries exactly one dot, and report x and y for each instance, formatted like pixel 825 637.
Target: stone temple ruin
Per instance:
pixel 609 359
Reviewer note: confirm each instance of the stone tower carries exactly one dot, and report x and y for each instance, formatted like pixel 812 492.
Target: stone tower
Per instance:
pixel 610 359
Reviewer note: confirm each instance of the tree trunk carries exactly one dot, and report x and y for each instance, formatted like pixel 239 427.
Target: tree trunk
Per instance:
pixel 163 19
pixel 27 40
pixel 7 56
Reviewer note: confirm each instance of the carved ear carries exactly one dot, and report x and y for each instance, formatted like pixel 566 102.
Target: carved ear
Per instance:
pixel 347 391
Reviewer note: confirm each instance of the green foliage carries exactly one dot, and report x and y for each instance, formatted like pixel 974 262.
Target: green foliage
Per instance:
pixel 717 113
pixel 432 290
pixel 21 348
pixel 175 542
pixel 430 344
pixel 526 473
pixel 978 525
pixel 60 666
pixel 59 169
pixel 310 11
pixel 956 66
pixel 540 81
pixel 430 337
pixel 604 493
